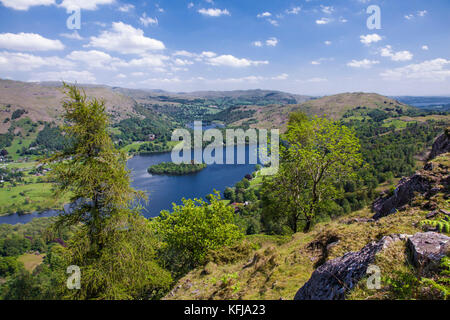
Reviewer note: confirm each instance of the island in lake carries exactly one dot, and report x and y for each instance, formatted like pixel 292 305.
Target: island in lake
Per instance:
pixel 170 168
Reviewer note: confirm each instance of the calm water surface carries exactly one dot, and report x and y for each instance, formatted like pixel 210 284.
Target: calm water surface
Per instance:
pixel 163 190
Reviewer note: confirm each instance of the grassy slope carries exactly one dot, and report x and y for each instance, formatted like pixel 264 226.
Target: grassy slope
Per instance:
pixel 280 268
pixel 31 261
pixel 335 106
pixel 43 102
pixel 34 194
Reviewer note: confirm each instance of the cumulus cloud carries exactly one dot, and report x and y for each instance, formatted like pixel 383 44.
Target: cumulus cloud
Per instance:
pixel 370 38
pixel 28 42
pixel 323 21
pixel 84 4
pixel 295 10
pixel 214 12
pixel 147 20
pixel 326 9
pixel 18 61
pixel 125 39
pixel 273 22
pixel 69 76
pixel 126 7
pixel 231 61
pixel 430 70
pixel 94 59
pixel 396 56
pixel 366 64
pixel 425 47
pixel 25 4
pixel 257 43
pixel 264 15
pixel 272 42
pixel 183 53
pixel 73 36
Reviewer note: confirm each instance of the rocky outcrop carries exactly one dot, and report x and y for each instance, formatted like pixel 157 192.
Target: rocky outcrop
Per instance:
pixel 403 194
pixel 441 145
pixel 428 248
pixel 333 279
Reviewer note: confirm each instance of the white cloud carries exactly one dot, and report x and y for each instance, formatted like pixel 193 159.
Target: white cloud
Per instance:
pixel 68 76
pixel 327 10
pixel 231 61
pixel 183 53
pixel 295 10
pixel 264 15
pixel 422 13
pixel 257 43
pixel 323 21
pixel 208 54
pixel 121 76
pixel 282 76
pixel 273 22
pixel 17 61
pixel 28 42
pixel 319 61
pixel 425 47
pixel 214 12
pixel 430 70
pixel 152 61
pixel 370 38
pixel 25 4
pixel 94 59
pixel 148 20
pixel 343 20
pixel 84 4
pixel 74 35
pixel 327 42
pixel 126 7
pixel 190 5
pixel 181 62
pixel 272 42
pixel 125 39
pixel 362 63
pixel 396 56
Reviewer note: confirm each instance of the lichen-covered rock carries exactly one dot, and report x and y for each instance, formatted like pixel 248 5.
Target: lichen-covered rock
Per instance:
pixel 441 145
pixel 428 248
pixel 333 279
pixel 403 194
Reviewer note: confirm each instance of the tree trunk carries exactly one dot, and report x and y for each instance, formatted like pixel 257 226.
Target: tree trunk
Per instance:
pixel 307 225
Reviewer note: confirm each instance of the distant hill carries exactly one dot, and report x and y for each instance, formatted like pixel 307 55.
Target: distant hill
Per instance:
pixel 253 96
pixel 334 106
pixel 42 101
pixel 429 103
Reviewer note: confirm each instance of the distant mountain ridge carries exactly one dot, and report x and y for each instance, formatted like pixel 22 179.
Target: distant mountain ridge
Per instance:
pixel 262 108
pixel 334 106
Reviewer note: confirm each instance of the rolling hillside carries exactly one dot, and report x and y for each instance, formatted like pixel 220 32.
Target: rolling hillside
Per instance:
pixel 334 106
pixel 42 101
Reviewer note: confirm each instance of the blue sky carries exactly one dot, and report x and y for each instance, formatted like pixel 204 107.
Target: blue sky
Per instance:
pixel 313 47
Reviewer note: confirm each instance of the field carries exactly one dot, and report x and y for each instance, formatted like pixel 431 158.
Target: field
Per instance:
pixel 31 261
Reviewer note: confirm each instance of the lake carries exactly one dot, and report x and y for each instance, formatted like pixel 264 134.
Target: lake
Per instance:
pixel 164 190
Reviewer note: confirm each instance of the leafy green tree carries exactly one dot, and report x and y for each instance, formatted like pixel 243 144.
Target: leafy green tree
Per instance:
pixel 195 228
pixel 320 155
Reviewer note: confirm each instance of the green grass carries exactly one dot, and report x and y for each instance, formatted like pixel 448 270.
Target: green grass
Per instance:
pixel 31 261
pixel 398 124
pixel 29 198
